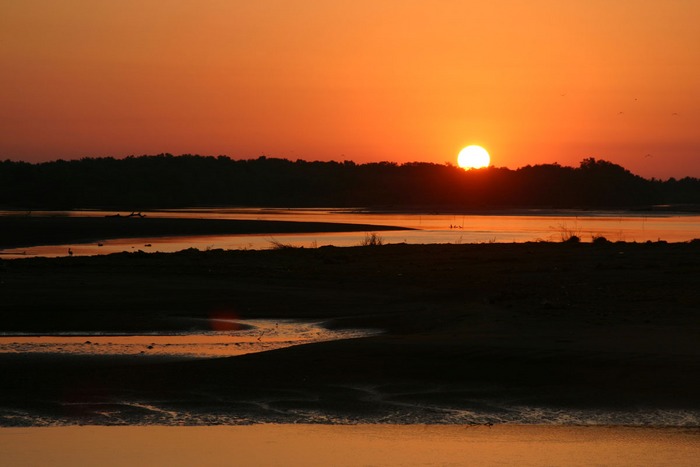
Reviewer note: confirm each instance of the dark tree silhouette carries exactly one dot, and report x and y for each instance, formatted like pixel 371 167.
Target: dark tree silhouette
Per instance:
pixel 167 181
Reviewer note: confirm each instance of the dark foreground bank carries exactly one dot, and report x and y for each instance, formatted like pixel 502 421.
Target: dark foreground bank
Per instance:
pixel 472 332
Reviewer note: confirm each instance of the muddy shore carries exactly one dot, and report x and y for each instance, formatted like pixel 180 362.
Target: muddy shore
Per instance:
pixel 490 327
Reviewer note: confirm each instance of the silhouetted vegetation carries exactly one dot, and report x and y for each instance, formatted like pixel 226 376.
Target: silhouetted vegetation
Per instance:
pixel 166 181
pixel 372 239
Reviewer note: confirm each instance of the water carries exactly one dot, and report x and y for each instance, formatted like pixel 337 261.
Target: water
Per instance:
pixel 240 337
pixel 378 445
pixel 526 226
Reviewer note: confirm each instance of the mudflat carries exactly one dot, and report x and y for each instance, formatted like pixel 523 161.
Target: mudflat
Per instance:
pixel 465 328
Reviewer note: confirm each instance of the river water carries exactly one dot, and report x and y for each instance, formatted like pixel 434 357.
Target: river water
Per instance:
pixel 523 226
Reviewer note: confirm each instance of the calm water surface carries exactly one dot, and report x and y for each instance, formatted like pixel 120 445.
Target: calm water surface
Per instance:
pixel 242 337
pixel 430 228
pixel 377 445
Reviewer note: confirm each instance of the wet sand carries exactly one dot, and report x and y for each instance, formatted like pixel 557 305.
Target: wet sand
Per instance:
pixel 314 445
pixel 492 333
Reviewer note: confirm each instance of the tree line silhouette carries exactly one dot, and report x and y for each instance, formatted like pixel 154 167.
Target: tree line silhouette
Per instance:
pixel 167 181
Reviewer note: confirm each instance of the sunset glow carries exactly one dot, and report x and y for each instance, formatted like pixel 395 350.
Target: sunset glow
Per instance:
pixel 380 80
pixel 473 157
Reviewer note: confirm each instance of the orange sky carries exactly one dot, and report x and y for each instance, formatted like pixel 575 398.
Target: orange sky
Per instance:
pixel 533 81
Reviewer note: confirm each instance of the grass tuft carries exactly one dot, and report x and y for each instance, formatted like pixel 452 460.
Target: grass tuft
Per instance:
pixel 372 239
pixel 277 245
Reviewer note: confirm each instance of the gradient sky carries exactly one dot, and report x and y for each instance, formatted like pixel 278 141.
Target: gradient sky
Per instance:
pixel 533 81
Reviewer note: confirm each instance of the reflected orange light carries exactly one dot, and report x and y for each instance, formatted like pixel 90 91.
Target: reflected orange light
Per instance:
pixel 303 445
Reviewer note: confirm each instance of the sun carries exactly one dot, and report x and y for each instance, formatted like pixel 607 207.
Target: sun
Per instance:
pixel 473 157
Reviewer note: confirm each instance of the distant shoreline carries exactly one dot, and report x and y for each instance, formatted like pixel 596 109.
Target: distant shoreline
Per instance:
pixel 658 210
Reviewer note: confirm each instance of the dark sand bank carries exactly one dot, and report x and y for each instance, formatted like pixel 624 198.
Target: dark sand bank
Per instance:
pixel 19 231
pixel 469 328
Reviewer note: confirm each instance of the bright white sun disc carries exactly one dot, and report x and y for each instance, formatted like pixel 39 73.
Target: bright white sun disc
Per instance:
pixel 473 157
